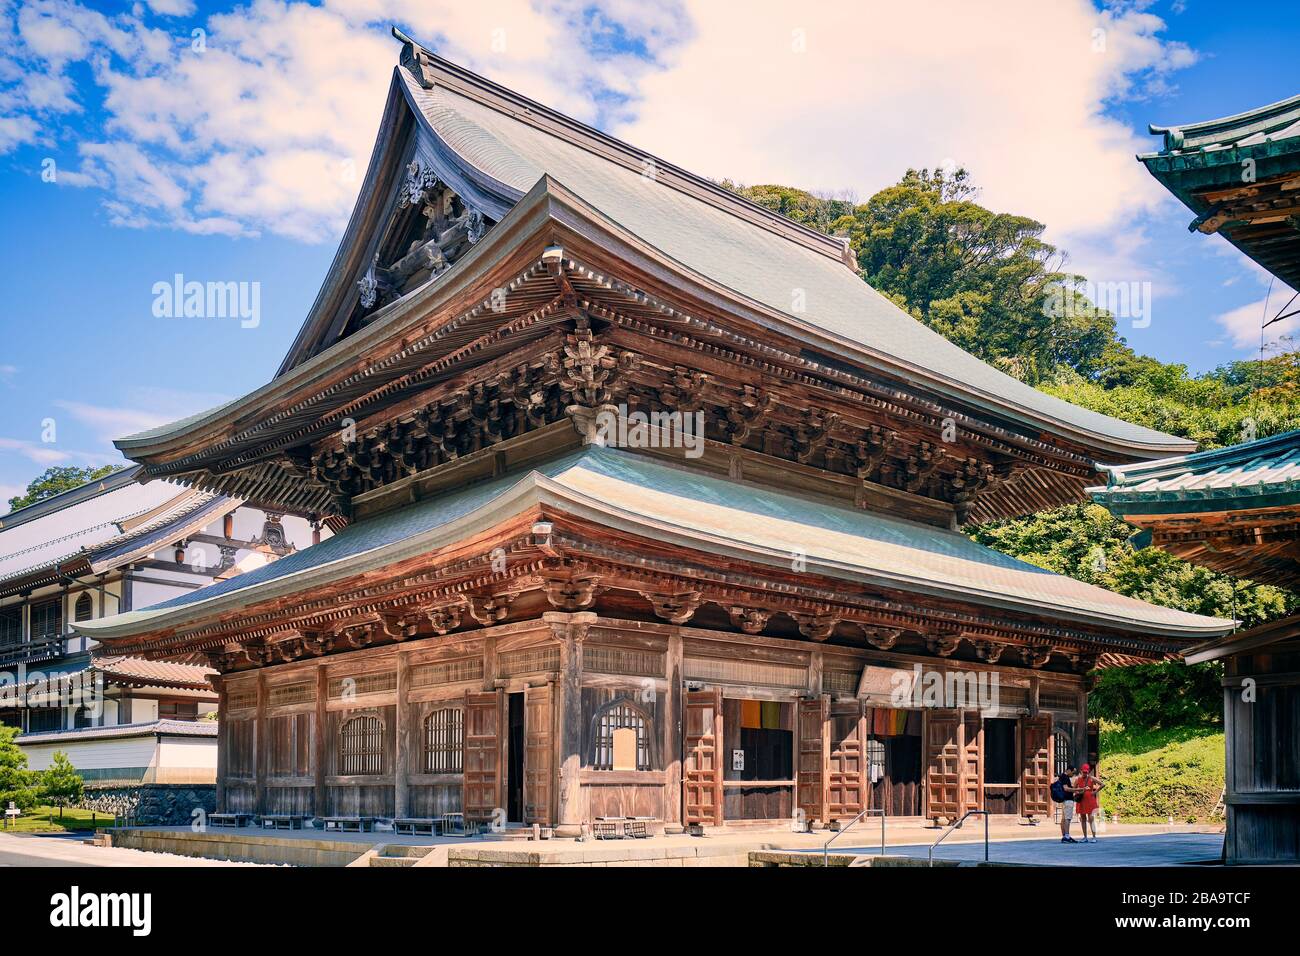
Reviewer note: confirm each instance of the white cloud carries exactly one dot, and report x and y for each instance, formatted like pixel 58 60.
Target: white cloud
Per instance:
pixel 847 96
pixel 145 407
pixel 47 454
pixel 268 127
pixel 1242 325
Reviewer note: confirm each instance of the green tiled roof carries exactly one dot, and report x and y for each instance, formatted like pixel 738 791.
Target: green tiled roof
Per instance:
pixel 695 513
pixel 1258 474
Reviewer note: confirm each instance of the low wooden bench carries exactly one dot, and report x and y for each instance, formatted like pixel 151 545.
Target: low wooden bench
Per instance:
pixel 414 825
pixel 283 821
pixel 618 828
pixel 230 819
pixel 345 824
pixel 607 829
pixel 455 824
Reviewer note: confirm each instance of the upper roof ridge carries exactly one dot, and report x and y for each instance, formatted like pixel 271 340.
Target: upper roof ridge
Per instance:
pixel 430 70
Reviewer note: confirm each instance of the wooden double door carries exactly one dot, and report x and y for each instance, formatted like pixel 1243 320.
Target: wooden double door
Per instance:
pixel 509 756
pixel 955 770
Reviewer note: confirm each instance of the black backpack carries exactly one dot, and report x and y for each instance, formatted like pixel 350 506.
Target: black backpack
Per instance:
pixel 1058 790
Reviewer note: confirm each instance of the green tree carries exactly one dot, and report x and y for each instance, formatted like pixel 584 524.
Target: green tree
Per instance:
pixel 56 480
pixel 60 783
pixel 17 784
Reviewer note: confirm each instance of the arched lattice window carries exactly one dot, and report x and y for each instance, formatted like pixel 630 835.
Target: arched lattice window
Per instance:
pixel 361 745
pixel 444 735
pixel 85 609
pixel 620 738
pixel 1061 748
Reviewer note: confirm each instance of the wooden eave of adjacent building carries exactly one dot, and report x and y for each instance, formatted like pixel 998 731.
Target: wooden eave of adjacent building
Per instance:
pixel 1240 175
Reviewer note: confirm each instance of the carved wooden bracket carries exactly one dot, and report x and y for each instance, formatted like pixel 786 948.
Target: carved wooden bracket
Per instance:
pixel 870 453
pixel 882 638
pixel 972 477
pixel 289 649
pixel 943 644
pixel 445 618
pixel 674 608
pixel 812 433
pixel 919 466
pixel 685 390
pixel 572 591
pixel 318 644
pixel 817 627
pixel 989 651
pixel 491 609
pixel 1037 656
pixel 587 367
pixel 751 620
pixel 749 410
pixel 1082 663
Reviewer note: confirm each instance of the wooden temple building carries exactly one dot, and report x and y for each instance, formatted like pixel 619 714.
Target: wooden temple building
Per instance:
pixel 1237 509
pixel 747 600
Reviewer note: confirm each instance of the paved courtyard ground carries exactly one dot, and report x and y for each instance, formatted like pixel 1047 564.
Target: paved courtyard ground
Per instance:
pixel 1151 849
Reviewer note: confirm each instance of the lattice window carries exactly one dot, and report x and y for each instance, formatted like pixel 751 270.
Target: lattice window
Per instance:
pixel 1057 698
pixel 85 608
pixel 444 736
pixel 1062 741
pixel 840 681
pixel 530 660
pixel 47 619
pixel 607 659
pixel 730 671
pixel 241 699
pixel 447 672
pixel 620 715
pixel 301 692
pixel 347 687
pixel 361 745
pixel 11 624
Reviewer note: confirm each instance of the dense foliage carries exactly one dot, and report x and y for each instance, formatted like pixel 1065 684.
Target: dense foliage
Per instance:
pixel 55 481
pixel 989 282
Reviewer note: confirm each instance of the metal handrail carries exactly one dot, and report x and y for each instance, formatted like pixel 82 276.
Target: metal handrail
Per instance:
pixel 826 856
pixel 957 826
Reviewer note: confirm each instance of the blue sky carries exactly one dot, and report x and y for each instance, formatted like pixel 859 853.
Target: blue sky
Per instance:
pixel 237 160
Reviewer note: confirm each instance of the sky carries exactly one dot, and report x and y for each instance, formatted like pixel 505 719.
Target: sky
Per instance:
pixel 141 141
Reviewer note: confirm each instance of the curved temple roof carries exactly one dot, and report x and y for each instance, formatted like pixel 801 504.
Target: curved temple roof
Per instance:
pixel 500 146
pixel 697 513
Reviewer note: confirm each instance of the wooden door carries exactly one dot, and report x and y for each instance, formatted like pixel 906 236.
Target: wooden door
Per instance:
pixel 972 765
pixel 814 758
pixel 1036 766
pixel 702 768
pixel 482 780
pixel 943 764
pixel 539 745
pixel 846 789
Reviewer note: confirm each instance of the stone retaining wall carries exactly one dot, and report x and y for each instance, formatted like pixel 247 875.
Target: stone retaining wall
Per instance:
pixel 152 804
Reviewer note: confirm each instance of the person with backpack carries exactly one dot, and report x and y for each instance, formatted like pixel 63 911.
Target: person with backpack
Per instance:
pixel 1065 793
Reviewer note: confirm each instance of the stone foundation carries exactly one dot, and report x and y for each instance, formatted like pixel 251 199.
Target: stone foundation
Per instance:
pixel 153 804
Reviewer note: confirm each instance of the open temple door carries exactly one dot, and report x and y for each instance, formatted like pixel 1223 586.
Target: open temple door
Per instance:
pixel 539 745
pixel 943 764
pixel 814 758
pixel 482 765
pixel 1036 766
pixel 702 768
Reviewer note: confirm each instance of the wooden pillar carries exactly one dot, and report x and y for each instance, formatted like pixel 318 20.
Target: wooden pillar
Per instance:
pixel 261 746
pixel 402 740
pixel 673 733
pixel 320 743
pixel 223 740
pixel 571 629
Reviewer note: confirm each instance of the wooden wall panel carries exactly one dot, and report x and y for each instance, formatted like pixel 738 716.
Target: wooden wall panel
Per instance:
pixel 539 754
pixel 702 767
pixel 484 723
pixel 812 742
pixel 1036 766
pixel 943 764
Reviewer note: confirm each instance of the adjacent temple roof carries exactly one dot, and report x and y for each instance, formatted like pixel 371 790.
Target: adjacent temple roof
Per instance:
pixel 98 526
pixel 1240 175
pixel 518 163
pixel 1236 509
pixel 691 512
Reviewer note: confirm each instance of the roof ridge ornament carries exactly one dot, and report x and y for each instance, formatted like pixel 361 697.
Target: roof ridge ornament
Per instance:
pixel 415 60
